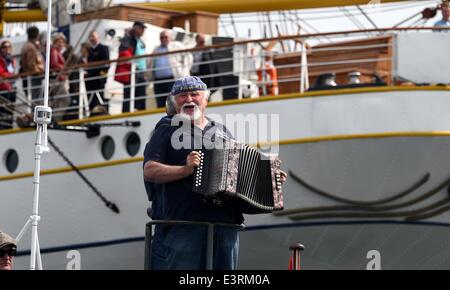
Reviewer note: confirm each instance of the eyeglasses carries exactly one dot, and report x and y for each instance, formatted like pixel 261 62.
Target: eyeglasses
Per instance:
pixel 6 46
pixel 11 252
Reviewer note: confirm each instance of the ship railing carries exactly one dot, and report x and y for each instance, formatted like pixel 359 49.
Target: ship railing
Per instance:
pixel 85 100
pixel 83 94
pixel 244 66
pixel 210 226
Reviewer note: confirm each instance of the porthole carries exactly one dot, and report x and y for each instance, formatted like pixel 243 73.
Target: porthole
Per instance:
pixel 132 143
pixel 11 160
pixel 108 147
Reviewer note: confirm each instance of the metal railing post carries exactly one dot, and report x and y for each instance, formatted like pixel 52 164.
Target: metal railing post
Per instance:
pixel 264 77
pixel 132 85
pixel 303 71
pixel 29 95
pixel 148 246
pixel 210 247
pixel 241 72
pixel 295 258
pixel 306 74
pixel 82 97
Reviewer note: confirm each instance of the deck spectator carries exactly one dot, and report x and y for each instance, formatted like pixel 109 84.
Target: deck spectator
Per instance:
pixel 58 77
pixel 32 61
pixel 96 86
pixel 202 66
pixel 73 59
pixel 132 45
pixel 444 22
pixel 167 68
pixel 7 90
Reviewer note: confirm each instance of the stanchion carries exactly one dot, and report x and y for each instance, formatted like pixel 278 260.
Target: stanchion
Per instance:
pixel 294 262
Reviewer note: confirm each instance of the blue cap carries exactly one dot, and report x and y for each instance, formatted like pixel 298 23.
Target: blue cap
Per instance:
pixel 188 84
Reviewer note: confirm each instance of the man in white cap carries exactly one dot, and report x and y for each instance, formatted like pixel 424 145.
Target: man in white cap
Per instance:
pixel 8 247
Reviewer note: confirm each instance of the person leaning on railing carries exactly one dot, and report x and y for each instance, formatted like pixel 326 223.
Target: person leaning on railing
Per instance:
pixel 7 91
pixel 72 59
pixel 202 62
pixel 132 45
pixel 183 247
pixel 444 22
pixel 32 61
pixel 58 91
pixel 166 68
pixel 96 86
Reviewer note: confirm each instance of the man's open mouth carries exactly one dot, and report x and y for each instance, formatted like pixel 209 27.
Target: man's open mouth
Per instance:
pixel 189 107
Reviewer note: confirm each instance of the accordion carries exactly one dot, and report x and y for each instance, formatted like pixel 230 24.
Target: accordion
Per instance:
pixel 241 176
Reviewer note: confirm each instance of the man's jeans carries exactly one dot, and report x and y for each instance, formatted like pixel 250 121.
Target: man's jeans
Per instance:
pixel 184 248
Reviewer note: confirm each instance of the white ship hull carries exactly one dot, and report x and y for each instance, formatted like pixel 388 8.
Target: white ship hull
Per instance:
pixel 362 144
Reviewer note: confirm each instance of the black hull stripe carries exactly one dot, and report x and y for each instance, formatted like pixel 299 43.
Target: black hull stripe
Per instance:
pixel 250 228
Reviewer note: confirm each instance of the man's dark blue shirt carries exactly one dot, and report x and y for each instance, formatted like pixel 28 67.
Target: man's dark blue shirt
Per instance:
pixel 154 190
pixel 179 202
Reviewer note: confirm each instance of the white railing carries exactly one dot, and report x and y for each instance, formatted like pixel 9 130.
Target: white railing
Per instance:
pixel 244 67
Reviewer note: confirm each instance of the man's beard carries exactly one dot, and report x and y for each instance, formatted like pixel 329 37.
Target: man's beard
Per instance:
pixel 197 112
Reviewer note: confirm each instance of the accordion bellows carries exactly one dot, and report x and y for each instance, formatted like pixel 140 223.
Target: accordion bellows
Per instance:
pixel 241 175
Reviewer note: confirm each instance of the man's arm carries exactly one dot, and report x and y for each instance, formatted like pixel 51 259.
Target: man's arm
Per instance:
pixel 161 173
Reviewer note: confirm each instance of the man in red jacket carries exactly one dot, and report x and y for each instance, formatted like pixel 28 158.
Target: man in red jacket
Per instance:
pixel 132 45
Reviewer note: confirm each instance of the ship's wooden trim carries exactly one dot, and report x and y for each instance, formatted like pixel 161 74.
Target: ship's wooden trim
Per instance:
pixel 431 134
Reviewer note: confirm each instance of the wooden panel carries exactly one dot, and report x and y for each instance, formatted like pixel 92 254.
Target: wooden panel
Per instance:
pixel 158 17
pixel 200 22
pixel 373 60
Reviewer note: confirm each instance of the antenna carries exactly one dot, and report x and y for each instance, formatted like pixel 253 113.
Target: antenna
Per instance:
pixel 42 117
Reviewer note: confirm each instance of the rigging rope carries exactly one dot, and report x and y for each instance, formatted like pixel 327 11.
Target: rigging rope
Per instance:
pixel 112 206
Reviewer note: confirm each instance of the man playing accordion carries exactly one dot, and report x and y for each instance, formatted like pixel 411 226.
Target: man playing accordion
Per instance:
pixel 170 160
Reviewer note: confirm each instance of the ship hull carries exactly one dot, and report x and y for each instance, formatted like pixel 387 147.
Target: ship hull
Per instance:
pixel 360 147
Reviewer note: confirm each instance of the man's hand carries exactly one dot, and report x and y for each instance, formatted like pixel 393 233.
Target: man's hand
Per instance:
pixel 192 161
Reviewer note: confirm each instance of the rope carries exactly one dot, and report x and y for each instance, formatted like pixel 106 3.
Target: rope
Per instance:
pixel 112 206
pixel 421 213
pixel 335 197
